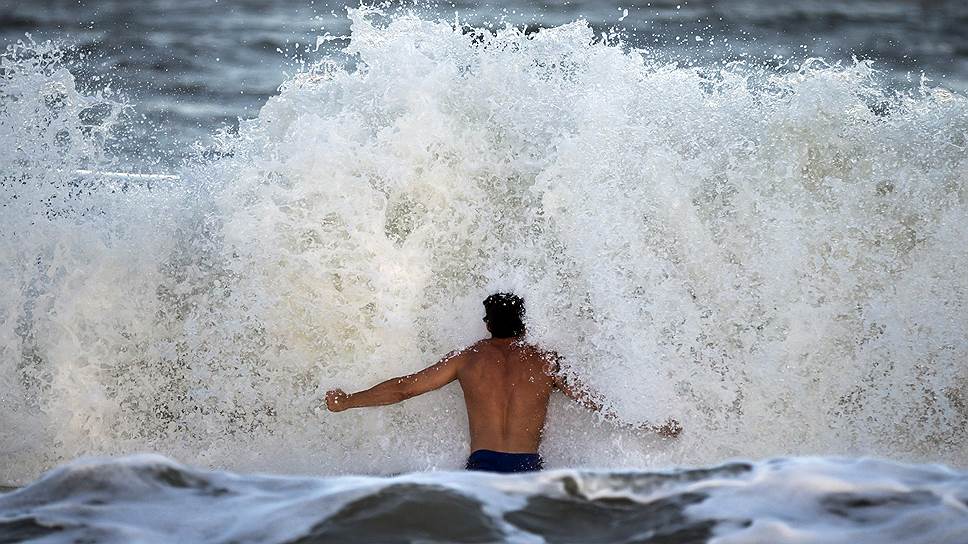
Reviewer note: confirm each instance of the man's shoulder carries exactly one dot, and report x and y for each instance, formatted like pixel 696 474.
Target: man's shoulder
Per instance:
pixel 476 347
pixel 548 359
pixel 471 351
pixel 522 347
pixel 538 351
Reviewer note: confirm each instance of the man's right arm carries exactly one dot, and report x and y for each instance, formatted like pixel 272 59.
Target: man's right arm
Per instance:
pixel 399 389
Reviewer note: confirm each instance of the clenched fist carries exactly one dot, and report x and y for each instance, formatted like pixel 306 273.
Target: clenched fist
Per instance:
pixel 336 400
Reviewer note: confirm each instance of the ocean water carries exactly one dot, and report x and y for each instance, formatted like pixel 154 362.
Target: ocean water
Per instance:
pixel 190 67
pixel 773 253
pixel 808 500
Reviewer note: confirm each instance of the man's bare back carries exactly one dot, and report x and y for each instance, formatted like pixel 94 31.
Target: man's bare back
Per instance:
pixel 507 384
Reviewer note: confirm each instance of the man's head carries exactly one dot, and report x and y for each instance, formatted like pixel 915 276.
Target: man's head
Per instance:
pixel 504 315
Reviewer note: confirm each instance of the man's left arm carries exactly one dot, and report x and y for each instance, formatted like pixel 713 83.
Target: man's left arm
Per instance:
pixel 579 393
pixel 399 389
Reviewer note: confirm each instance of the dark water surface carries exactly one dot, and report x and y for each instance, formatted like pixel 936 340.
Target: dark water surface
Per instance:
pixel 155 500
pixel 191 67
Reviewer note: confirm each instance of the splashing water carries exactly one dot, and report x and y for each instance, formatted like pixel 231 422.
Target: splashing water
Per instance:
pixel 774 258
pixel 807 500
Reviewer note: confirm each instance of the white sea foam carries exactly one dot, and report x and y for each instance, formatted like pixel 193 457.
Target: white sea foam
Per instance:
pixel 803 500
pixel 774 258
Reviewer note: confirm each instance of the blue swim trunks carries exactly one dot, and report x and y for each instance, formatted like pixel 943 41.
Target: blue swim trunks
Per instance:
pixel 499 461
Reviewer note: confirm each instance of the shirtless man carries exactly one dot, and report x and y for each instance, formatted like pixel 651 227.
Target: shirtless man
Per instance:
pixel 506 384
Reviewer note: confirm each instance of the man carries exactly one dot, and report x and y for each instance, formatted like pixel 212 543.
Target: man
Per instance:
pixel 506 382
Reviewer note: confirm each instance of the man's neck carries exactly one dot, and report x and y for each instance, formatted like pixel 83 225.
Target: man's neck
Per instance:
pixel 506 340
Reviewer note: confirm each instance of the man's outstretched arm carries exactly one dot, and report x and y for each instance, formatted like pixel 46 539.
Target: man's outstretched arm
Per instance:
pixel 398 389
pixel 577 392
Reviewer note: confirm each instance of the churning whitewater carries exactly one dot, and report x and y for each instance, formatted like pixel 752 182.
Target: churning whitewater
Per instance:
pixel 774 257
pixel 804 501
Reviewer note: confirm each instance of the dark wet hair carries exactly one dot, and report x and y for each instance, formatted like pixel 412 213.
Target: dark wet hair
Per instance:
pixel 504 315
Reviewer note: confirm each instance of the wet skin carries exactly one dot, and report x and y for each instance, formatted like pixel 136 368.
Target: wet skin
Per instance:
pixel 506 387
pixel 507 384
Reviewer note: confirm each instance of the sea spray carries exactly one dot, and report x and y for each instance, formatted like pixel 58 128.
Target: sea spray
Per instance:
pixel 775 258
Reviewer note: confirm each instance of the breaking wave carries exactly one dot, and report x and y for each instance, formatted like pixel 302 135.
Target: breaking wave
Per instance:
pixel 774 257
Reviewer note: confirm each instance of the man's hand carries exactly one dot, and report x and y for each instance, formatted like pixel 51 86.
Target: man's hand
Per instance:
pixel 336 400
pixel 670 429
